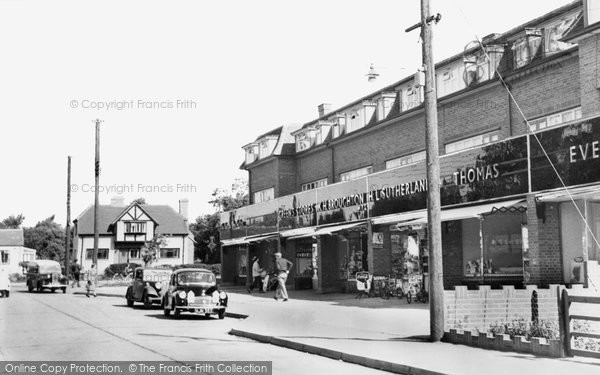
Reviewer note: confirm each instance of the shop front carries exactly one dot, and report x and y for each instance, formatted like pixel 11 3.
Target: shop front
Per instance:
pixel 506 217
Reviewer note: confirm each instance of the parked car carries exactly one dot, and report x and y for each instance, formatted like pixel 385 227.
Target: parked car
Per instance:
pixel 147 285
pixel 45 274
pixel 195 291
pixel 4 282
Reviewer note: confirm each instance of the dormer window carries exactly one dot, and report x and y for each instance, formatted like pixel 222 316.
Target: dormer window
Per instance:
pixel 305 138
pixel 554 33
pixel 339 126
pixel 251 153
pixel 527 48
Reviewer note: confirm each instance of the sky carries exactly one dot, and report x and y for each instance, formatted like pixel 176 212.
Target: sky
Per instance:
pixel 181 86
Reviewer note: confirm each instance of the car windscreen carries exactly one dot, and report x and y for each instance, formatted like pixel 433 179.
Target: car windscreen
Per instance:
pixel 162 276
pixel 195 278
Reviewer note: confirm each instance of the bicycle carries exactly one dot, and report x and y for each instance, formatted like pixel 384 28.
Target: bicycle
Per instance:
pixel 121 278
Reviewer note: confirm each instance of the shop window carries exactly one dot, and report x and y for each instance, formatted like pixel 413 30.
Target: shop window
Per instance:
pixel 305 260
pixel 102 254
pixel 354 255
pixel 503 244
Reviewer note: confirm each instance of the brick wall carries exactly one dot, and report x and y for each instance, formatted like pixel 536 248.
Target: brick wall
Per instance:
pixel 544 89
pixel 544 244
pixel 452 256
pixel 476 310
pixel 287 177
pixel 313 166
pixel 589 65
pixel 262 176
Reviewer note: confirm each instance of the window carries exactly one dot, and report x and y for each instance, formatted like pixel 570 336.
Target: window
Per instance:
pixel 263 149
pixel 135 227
pixel 470 142
pixel 527 48
pixel 4 257
pixel 305 139
pixel 555 119
pixel 102 254
pixel 351 175
pixel 264 195
pixel 134 254
pixel 405 160
pixel 314 184
pixel 169 253
pixel 449 81
pixel 251 153
pixel 413 98
pixel 555 32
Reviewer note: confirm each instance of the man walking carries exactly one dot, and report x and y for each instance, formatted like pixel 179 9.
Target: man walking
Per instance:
pixel 76 271
pixel 256 276
pixel 282 267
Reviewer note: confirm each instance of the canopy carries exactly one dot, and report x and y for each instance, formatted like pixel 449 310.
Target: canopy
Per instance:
pixel 234 241
pixel 562 195
pixel 470 212
pixel 407 217
pixel 328 230
pixel 262 237
pixel 298 232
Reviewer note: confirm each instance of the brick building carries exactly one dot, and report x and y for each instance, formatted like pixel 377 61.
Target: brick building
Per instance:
pixel 346 192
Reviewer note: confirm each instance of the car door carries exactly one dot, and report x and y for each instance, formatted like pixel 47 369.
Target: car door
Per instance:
pixel 138 284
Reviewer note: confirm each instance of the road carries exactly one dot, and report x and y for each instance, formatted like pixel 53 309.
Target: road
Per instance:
pixel 56 326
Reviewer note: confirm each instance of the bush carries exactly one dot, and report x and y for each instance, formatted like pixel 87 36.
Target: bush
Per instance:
pixel 115 268
pixel 17 277
pixel 520 327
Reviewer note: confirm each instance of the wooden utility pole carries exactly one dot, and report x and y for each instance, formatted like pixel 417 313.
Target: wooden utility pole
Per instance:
pixel 434 233
pixel 96 192
pixel 68 226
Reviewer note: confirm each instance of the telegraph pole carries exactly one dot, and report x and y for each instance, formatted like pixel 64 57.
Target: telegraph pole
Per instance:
pixel 96 192
pixel 436 284
pixel 68 226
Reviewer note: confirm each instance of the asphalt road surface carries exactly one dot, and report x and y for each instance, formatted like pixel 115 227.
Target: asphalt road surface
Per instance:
pixel 57 326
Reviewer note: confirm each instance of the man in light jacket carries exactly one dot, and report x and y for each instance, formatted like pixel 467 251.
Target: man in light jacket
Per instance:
pixel 282 267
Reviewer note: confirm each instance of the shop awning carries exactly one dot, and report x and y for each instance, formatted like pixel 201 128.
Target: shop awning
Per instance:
pixel 234 241
pixel 328 230
pixel 589 192
pixel 298 232
pixel 406 217
pixel 262 237
pixel 470 212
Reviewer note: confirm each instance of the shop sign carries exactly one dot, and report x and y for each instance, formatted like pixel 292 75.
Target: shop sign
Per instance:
pixel 574 151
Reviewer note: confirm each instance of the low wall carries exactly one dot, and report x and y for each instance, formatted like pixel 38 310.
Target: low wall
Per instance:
pixel 476 310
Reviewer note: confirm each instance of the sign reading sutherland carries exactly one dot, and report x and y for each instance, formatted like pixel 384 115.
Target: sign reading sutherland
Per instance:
pixel 486 172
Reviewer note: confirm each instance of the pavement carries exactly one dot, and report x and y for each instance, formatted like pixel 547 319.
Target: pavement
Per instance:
pixel 389 335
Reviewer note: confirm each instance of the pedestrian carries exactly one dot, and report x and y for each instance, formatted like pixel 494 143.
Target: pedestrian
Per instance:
pixel 256 276
pixel 282 268
pixel 92 280
pixel 76 271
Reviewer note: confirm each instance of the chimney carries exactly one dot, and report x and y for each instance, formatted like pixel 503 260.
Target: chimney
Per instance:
pixel 117 200
pixel 183 208
pixel 324 109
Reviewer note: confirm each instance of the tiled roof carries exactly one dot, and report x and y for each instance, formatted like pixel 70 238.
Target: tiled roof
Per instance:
pixel 11 237
pixel 169 221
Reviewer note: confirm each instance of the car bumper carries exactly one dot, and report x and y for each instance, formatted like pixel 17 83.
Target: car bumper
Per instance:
pixel 54 285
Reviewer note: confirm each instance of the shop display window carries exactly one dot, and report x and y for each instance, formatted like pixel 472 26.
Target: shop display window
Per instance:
pixel 306 260
pixel 355 258
pixel 503 244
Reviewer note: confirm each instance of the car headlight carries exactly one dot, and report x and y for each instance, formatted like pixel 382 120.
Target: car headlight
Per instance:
pixel 182 295
pixel 158 285
pixel 191 295
pixel 222 295
pixel 215 296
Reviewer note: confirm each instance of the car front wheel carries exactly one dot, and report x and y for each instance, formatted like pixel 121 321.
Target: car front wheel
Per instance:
pixel 222 314
pixel 166 309
pixel 129 300
pixel 147 302
pixel 29 287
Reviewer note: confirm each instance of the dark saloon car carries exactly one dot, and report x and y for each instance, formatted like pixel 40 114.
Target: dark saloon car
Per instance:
pixel 147 286
pixel 45 274
pixel 194 290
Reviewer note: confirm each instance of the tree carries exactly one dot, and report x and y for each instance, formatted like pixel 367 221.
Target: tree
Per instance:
pixel 151 249
pixel 140 201
pixel 13 222
pixel 48 238
pixel 206 235
pixel 226 200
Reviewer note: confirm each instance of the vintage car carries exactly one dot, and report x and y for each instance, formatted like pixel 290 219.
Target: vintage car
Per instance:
pixel 146 286
pixel 4 282
pixel 45 274
pixel 194 290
